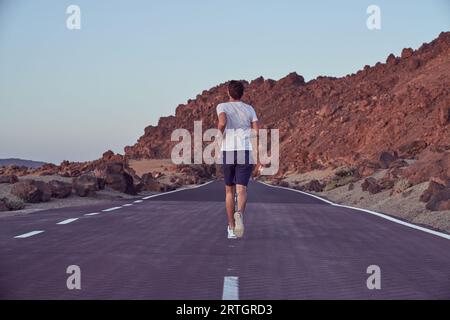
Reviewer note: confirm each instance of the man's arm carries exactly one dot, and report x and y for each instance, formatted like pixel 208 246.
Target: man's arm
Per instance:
pixel 222 123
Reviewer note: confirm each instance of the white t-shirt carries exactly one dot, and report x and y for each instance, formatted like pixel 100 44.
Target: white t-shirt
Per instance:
pixel 237 135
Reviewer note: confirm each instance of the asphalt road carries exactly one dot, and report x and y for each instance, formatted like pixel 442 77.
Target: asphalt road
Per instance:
pixel 174 246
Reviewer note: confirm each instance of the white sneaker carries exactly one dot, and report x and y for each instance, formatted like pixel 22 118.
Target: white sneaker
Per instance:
pixel 238 224
pixel 231 234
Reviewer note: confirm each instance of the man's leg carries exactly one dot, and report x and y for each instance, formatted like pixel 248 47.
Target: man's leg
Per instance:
pixel 229 201
pixel 241 197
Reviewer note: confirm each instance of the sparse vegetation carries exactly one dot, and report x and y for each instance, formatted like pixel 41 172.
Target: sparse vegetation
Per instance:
pixel 401 186
pixel 342 176
pixel 13 203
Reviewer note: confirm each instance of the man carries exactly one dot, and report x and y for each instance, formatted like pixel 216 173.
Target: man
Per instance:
pixel 237 121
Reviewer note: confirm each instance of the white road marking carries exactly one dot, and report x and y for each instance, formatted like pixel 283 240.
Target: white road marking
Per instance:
pixel 92 214
pixel 138 201
pixel 127 205
pixel 29 234
pixel 230 288
pixel 111 209
pixel 67 221
pixel 178 190
pixel 381 215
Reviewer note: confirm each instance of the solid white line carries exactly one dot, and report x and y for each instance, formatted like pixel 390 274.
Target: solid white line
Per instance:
pixel 29 234
pixel 92 214
pixel 111 209
pixel 178 190
pixel 67 221
pixel 127 205
pixel 230 288
pixel 381 215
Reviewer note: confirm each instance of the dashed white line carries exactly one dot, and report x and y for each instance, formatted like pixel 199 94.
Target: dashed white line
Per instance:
pixel 230 288
pixel 67 221
pixel 111 209
pixel 127 205
pixel 92 214
pixel 29 234
pixel 138 201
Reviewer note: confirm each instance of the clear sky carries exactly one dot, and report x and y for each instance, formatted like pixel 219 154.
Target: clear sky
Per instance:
pixel 72 94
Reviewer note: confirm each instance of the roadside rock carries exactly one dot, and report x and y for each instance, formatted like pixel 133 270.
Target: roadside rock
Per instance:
pixel 60 189
pixel 32 191
pixel 85 185
pixel 439 201
pixel 113 174
pixel 433 188
pixel 314 185
pixel 3 206
pixel 11 178
pixel 370 184
pixel 431 164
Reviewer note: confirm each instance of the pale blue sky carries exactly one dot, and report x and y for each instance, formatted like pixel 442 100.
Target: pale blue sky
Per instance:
pixel 74 94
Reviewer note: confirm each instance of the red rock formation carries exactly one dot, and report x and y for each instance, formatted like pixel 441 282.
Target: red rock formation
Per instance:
pixel 402 104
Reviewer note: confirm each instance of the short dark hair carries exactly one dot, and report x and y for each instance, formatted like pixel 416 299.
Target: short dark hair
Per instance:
pixel 236 89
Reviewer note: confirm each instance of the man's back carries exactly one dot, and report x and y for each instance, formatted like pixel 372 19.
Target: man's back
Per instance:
pixel 238 127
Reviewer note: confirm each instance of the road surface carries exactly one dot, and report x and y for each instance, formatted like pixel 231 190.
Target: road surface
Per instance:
pixel 174 246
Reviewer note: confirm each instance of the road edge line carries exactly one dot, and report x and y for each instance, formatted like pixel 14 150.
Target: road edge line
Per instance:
pixel 381 215
pixel 181 189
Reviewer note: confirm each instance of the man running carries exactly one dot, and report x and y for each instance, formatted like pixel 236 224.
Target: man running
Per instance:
pixel 236 121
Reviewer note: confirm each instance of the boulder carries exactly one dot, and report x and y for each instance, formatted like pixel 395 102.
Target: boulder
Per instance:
pixel 370 184
pixel 433 188
pixel 60 189
pixel 118 179
pixel 10 178
pixel 439 201
pixel 122 182
pixel 314 185
pixel 32 191
pixel 3 206
pixel 386 158
pixel 85 185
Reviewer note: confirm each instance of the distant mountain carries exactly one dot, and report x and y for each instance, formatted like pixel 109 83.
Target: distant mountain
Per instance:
pixel 21 162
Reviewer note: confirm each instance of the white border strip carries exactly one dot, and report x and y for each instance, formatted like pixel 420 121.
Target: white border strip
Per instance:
pixel 436 233
pixel 111 209
pixel 181 189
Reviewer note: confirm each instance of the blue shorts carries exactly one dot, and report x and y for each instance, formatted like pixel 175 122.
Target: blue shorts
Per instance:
pixel 239 167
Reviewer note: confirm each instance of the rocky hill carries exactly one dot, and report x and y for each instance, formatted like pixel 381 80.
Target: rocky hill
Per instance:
pixel 21 162
pixel 401 106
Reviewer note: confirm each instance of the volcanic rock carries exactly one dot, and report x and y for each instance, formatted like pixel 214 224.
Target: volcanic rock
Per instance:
pixel 371 185
pixel 85 185
pixel 8 178
pixel 32 191
pixel 60 189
